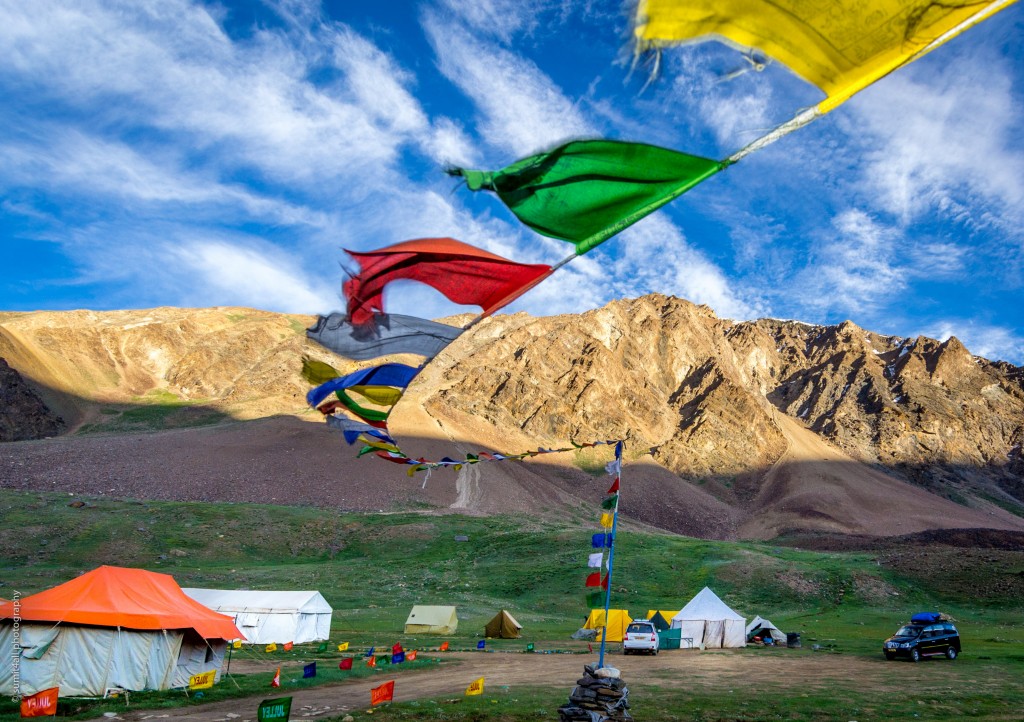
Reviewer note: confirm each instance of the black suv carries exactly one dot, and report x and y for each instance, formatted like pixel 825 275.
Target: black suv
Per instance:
pixel 923 640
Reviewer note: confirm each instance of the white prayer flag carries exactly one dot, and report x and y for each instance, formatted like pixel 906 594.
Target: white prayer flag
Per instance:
pixel 614 468
pixel 596 560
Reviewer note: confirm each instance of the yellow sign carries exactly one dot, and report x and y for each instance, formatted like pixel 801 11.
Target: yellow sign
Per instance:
pixel 202 681
pixel 343 646
pixel 272 647
pixel 476 687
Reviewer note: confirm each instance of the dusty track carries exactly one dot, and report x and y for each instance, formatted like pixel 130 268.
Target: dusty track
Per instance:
pixel 779 670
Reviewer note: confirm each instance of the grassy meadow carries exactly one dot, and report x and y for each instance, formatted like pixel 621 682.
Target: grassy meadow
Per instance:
pixel 373 568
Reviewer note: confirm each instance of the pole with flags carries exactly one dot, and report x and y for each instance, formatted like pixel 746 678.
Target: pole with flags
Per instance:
pixel 615 469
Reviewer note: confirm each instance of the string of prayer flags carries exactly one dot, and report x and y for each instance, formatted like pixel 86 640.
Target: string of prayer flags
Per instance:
pixel 383 693
pixel 475 687
pixel 309 670
pixel 586 191
pixel 464 274
pixel 345 664
pixel 390 333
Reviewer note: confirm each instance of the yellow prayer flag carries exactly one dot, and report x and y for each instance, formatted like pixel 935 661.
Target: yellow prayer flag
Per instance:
pixel 272 647
pixel 841 46
pixel 475 687
pixel 343 647
pixel 202 681
pixel 380 395
pixel 606 520
pixel 237 644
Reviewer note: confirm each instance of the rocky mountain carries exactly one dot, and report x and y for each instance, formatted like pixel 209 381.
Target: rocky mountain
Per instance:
pixel 23 415
pixel 749 429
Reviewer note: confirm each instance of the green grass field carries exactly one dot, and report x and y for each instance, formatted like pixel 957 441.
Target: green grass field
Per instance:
pixel 372 568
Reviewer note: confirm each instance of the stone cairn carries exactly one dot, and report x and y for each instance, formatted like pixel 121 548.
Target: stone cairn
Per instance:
pixel 599 695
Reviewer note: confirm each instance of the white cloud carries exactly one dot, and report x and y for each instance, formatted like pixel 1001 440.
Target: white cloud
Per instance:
pixel 235 275
pixel 521 110
pixel 996 343
pixel 854 272
pixel 945 141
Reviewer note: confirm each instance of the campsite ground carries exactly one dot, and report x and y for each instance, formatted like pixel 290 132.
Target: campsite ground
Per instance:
pixel 752 684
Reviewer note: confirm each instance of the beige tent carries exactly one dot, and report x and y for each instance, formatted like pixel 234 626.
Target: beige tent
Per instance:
pixel 503 626
pixel 619 619
pixel 431 620
pixel 710 623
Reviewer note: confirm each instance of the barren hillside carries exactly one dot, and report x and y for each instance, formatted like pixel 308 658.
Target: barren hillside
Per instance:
pixel 735 429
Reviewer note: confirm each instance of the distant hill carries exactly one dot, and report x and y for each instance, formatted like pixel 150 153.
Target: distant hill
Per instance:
pixel 750 429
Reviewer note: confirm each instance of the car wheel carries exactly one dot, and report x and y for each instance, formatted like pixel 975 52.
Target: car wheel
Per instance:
pixel 656 652
pixel 915 656
pixel 951 652
pixel 890 656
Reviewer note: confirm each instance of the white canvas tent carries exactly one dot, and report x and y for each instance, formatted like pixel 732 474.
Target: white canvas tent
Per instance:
pixel 265 617
pixel 710 622
pixel 761 627
pixel 431 620
pixel 110 628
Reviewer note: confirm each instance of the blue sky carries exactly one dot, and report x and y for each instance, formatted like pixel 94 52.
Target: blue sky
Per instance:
pixel 179 153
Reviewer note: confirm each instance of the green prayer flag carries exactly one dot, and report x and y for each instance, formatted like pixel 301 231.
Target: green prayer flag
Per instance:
pixel 586 191
pixel 274 710
pixel 529 647
pixel 595 600
pixel 610 502
pixel 322 647
pixel 360 411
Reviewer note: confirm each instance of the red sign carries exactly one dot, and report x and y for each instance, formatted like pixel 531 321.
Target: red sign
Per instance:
pixel 41 704
pixel 384 693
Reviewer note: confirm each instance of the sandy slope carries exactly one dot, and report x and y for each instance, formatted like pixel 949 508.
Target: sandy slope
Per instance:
pixel 814 485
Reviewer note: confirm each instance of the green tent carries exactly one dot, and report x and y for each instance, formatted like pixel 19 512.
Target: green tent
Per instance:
pixel 503 626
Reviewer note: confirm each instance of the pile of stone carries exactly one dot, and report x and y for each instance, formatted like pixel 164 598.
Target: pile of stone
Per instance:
pixel 599 695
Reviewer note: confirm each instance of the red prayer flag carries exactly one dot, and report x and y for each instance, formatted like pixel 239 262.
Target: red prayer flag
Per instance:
pixel 410 656
pixel 287 646
pixel 384 693
pixel 276 681
pixel 345 663
pixel 464 274
pixel 594 580
pixel 371 661
pixel 396 648
pixel 615 487
pixel 40 704
pixel 444 646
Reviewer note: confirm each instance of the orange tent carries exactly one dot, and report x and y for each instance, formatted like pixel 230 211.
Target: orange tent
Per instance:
pixel 126 598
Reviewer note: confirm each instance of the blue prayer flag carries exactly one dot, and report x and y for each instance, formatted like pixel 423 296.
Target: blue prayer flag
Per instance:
pixel 369 652
pixel 309 670
pixel 480 644
pixel 398 658
pixel 601 541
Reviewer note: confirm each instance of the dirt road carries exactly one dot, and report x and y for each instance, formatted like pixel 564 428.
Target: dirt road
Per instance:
pixel 713 669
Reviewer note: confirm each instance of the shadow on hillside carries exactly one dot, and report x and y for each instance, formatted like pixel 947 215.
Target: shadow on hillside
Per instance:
pixel 162 448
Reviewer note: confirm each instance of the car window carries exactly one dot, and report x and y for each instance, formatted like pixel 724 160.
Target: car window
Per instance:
pixel 640 628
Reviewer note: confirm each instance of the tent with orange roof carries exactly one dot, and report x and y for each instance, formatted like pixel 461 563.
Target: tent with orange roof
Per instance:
pixel 111 628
